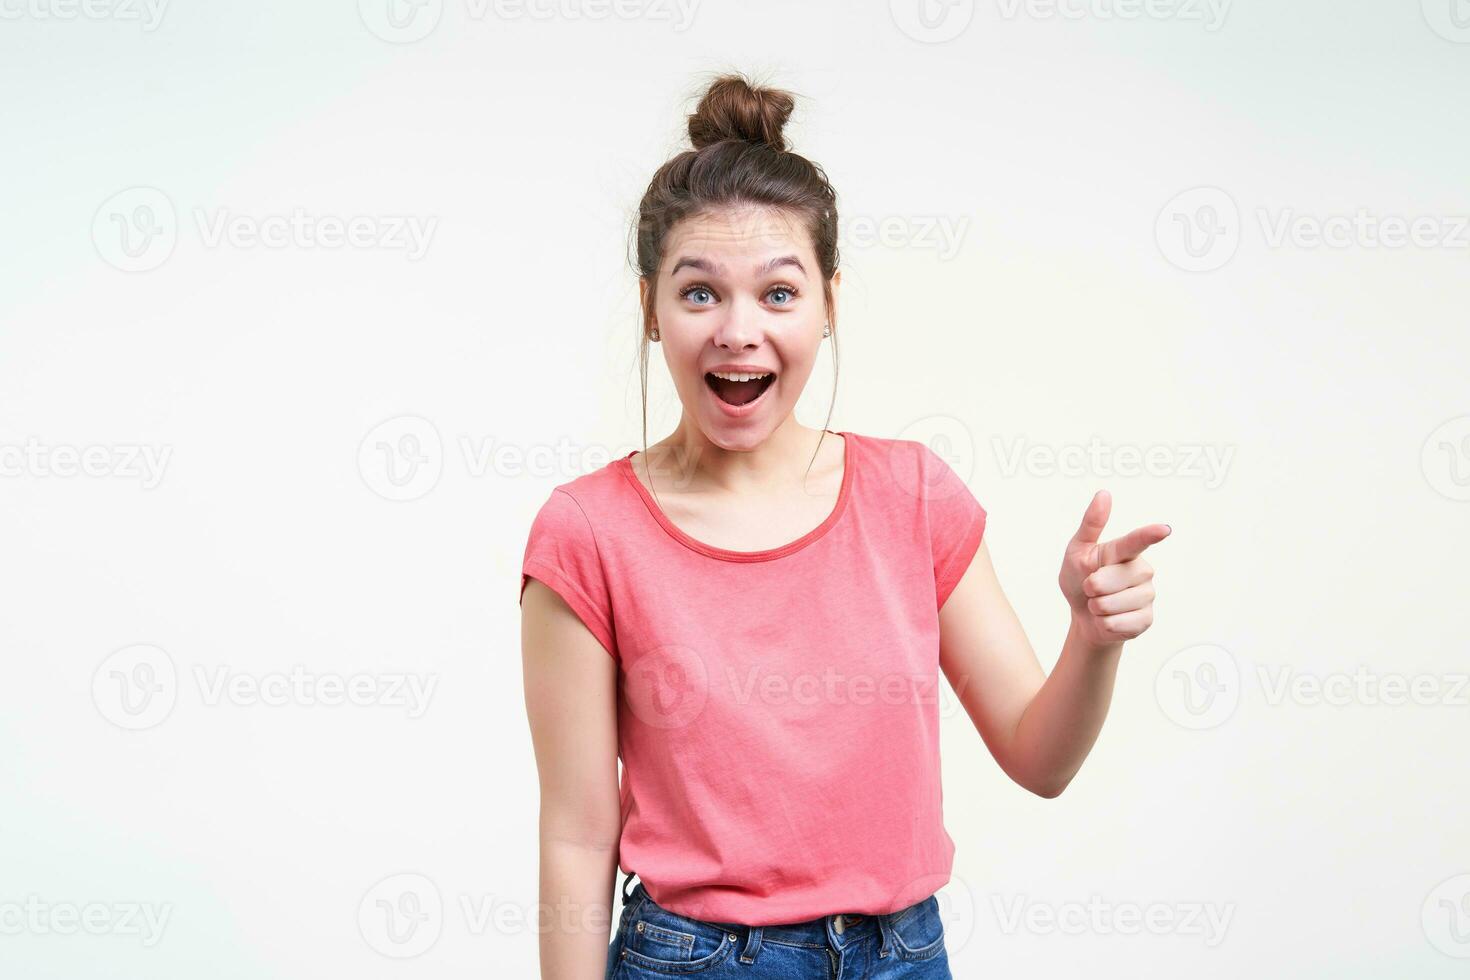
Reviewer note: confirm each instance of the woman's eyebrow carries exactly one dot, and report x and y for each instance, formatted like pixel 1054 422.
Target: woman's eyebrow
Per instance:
pixel 709 268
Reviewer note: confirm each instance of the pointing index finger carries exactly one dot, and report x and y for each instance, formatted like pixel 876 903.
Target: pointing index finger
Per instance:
pixel 1132 544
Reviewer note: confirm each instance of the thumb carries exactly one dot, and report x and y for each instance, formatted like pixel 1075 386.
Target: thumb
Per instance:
pixel 1094 518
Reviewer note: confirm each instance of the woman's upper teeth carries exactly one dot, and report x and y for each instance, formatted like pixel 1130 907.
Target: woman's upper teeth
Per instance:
pixel 729 376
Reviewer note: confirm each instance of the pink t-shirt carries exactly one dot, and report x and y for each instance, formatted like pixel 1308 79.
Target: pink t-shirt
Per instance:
pixel 778 713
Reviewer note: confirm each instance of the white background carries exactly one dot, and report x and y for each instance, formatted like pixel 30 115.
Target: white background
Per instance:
pixel 287 393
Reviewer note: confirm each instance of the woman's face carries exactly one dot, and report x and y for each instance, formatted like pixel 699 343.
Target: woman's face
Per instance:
pixel 740 292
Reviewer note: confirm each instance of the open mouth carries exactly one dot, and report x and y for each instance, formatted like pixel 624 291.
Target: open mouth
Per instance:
pixel 738 392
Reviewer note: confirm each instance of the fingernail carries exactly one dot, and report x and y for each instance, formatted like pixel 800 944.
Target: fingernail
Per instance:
pixel 1170 527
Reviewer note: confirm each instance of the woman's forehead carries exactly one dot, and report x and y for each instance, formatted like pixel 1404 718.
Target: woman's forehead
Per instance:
pixel 738 243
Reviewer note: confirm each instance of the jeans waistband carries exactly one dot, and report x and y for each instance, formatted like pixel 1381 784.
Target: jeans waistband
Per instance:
pixel 837 930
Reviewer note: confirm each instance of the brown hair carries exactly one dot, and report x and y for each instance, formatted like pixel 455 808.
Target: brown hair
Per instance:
pixel 739 158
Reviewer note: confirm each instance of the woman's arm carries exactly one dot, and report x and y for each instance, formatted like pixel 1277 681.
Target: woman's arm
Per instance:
pixel 571 692
pixel 1040 728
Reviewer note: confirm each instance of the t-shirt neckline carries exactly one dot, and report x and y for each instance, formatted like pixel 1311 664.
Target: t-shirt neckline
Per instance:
pixel 844 492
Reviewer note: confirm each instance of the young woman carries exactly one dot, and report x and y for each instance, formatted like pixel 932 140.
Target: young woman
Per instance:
pixel 753 616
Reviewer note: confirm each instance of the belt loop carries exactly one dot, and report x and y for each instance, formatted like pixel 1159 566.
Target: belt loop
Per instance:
pixel 885 933
pixel 752 945
pixel 631 876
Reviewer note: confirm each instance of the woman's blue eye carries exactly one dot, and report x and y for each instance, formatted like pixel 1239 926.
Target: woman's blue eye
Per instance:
pixel 688 292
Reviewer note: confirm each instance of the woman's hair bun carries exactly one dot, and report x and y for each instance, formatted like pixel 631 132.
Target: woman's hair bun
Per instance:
pixel 734 109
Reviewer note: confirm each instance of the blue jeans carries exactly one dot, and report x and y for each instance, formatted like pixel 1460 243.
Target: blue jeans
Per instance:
pixel 653 943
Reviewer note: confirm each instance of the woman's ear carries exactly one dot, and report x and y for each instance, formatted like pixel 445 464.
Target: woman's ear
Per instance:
pixel 650 322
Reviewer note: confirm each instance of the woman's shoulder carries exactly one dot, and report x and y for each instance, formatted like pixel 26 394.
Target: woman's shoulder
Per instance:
pixel 912 469
pixel 589 486
pixel 894 457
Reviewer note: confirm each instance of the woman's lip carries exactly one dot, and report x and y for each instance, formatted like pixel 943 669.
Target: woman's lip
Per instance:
pixel 740 369
pixel 739 411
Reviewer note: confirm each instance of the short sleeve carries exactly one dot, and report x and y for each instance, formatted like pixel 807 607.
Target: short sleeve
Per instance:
pixel 955 518
pixel 561 551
